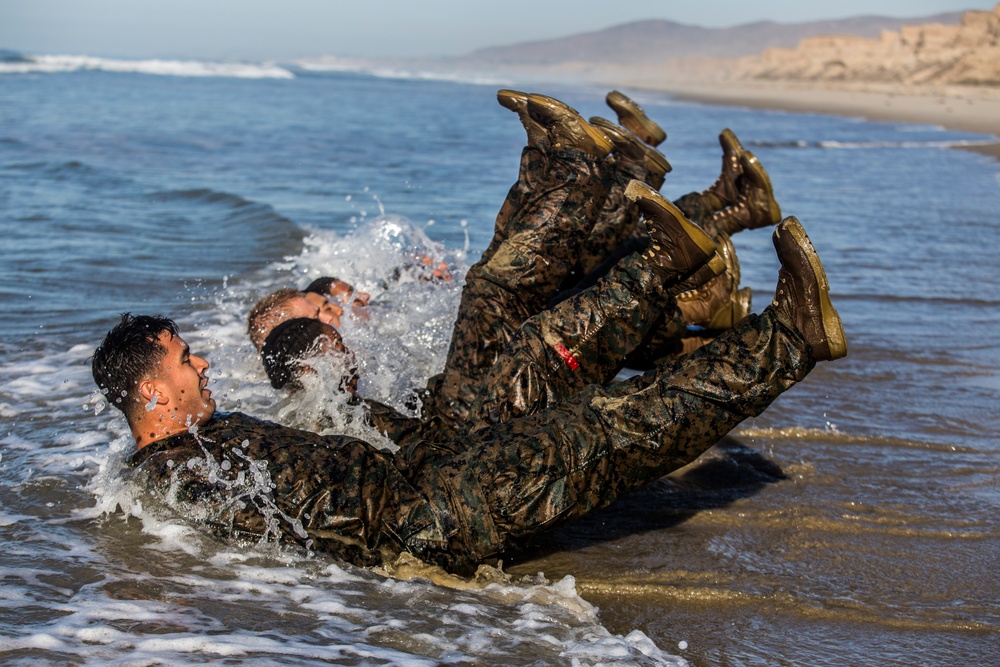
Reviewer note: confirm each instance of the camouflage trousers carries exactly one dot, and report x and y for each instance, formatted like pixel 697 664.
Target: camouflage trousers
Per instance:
pixel 619 218
pixel 539 231
pixel 581 341
pixel 617 232
pixel 517 478
pixel 619 221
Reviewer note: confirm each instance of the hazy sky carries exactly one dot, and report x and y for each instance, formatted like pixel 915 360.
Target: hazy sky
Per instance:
pixel 260 29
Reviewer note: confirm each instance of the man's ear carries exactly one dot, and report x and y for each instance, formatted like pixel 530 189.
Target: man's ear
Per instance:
pixel 149 388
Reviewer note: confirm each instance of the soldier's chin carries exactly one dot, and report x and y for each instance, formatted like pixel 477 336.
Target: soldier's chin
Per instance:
pixel 207 412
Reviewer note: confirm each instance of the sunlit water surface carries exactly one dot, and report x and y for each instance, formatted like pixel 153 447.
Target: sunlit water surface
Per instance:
pixel 855 522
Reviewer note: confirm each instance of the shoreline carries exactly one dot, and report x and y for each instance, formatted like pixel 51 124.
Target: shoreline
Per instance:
pixel 973 109
pixel 968 110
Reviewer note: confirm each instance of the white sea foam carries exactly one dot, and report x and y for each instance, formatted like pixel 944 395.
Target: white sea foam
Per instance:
pixel 400 345
pixel 383 71
pixel 52 64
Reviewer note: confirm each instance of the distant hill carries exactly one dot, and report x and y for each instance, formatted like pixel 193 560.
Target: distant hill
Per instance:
pixel 657 40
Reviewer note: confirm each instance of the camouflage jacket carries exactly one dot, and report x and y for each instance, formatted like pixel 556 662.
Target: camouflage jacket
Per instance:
pixel 248 479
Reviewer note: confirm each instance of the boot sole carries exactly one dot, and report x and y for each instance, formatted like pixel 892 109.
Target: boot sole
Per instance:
pixel 754 165
pixel 622 105
pixel 611 131
pixel 833 327
pixel 614 133
pixel 554 110
pixel 730 144
pixel 637 190
pixel 514 100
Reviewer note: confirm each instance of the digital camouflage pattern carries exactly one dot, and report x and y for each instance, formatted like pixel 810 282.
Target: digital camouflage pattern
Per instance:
pixel 458 503
pixel 581 341
pixel 539 232
pixel 619 218
pixel 511 280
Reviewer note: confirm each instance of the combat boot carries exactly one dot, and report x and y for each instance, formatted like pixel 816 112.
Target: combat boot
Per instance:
pixel 517 102
pixel 719 303
pixel 755 205
pixel 566 128
pixel 679 251
pixel 803 293
pixel 628 148
pixel 725 189
pixel 633 117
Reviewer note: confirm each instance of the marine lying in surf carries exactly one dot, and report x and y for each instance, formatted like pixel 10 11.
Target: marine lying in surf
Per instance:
pixel 566 216
pixel 471 499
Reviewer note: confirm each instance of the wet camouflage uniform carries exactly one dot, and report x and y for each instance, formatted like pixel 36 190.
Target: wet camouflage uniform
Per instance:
pixel 539 232
pixel 527 258
pixel 618 222
pixel 580 341
pixel 553 355
pixel 481 494
pixel 540 228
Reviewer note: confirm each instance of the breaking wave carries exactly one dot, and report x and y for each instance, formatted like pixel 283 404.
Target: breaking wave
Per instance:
pixel 13 63
pixel 388 71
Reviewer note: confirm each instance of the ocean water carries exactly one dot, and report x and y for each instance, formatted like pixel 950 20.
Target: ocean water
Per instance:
pixel 854 522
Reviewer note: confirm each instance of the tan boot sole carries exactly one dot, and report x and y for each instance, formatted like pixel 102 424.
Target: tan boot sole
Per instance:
pixel 514 100
pixel 652 159
pixel 630 113
pixel 833 328
pixel 622 139
pixel 637 190
pixel 752 164
pixel 730 144
pixel 557 111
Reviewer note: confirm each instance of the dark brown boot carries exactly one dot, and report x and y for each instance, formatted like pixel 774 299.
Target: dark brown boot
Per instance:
pixel 803 293
pixel 517 102
pixel 725 187
pixel 633 117
pixel 678 248
pixel 566 128
pixel 629 148
pixel 725 191
pixel 755 205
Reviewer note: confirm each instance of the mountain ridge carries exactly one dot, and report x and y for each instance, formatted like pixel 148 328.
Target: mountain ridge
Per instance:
pixel 656 40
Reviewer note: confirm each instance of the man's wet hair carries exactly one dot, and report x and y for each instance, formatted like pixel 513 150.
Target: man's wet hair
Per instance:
pixel 289 343
pixel 257 319
pixel 322 285
pixel 129 352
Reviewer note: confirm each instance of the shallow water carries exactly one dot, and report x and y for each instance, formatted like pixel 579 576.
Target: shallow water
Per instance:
pixel 854 522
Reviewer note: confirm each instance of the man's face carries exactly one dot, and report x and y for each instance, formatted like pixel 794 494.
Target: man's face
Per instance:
pixel 180 378
pixel 316 307
pixel 331 344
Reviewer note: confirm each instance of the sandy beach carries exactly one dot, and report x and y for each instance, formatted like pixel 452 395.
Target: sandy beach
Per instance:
pixel 973 109
pixel 960 108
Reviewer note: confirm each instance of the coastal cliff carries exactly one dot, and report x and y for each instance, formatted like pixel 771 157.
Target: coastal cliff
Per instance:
pixel 964 55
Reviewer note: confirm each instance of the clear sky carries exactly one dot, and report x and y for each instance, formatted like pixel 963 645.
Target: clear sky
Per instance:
pixel 262 29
